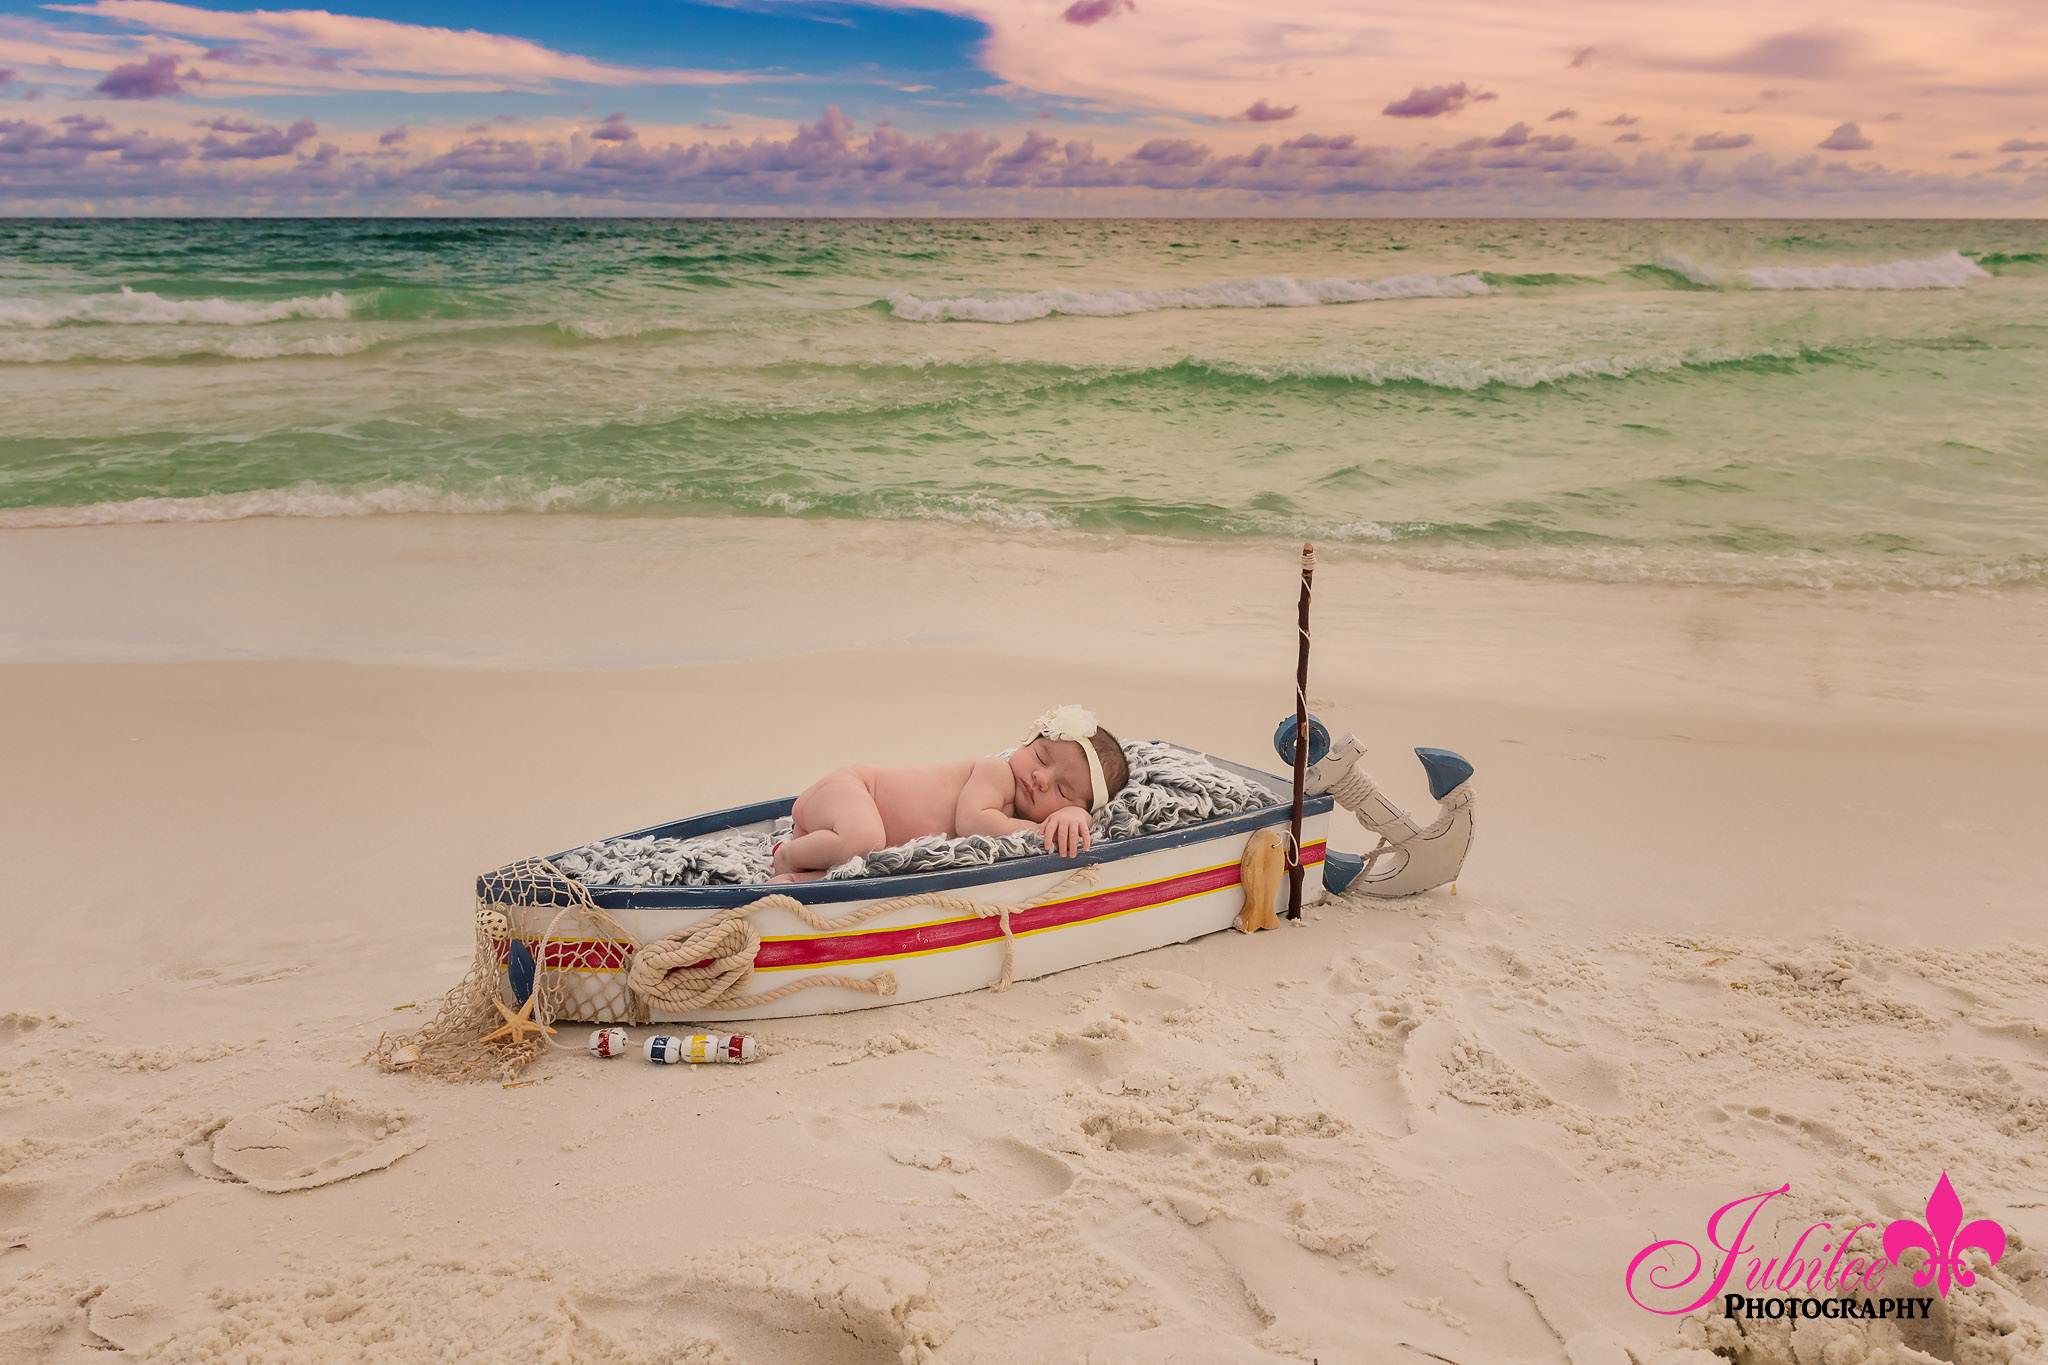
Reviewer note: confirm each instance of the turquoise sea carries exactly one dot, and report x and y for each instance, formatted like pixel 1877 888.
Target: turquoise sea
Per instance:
pixel 1818 403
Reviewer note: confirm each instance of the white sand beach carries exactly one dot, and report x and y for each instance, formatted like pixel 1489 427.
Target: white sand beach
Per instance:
pixel 1756 900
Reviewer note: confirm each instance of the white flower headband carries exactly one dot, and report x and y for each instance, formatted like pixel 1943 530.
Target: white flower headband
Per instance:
pixel 1078 724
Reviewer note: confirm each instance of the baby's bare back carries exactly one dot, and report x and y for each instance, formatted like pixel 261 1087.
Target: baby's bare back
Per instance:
pixel 914 802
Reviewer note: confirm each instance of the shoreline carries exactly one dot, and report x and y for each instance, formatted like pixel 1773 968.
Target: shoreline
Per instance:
pixel 553 591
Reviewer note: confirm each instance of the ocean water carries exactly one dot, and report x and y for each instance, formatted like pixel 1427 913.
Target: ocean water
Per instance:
pixel 1805 403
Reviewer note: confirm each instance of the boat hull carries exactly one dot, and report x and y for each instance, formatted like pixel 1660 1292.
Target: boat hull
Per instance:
pixel 1145 893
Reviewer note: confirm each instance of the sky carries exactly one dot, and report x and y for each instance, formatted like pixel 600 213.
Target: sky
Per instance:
pixel 1001 107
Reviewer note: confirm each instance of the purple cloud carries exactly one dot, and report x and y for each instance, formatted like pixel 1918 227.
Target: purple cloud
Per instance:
pixel 1721 142
pixel 394 137
pixel 1620 121
pixel 229 124
pixel 829 166
pixel 156 78
pixel 1562 114
pixel 1847 138
pixel 267 142
pixel 144 150
pixel 2020 144
pixel 1519 135
pixel 1809 55
pixel 1262 112
pixel 6 75
pixel 1584 56
pixel 613 129
pixel 1437 99
pixel 1086 12
pixel 1172 151
pixel 63 149
pixel 1629 137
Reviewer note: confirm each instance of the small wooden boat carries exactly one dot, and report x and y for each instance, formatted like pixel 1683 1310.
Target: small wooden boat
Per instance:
pixel 1146 892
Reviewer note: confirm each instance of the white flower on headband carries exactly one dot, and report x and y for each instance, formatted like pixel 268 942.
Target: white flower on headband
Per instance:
pixel 1064 722
pixel 1076 723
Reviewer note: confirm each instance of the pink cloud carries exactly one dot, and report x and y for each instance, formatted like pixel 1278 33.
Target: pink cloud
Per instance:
pixel 302 45
pixel 394 137
pixel 1435 100
pixel 1721 142
pixel 613 129
pixel 1262 112
pixel 1847 138
pixel 156 78
pixel 1562 114
pixel 2020 144
pixel 1087 12
pixel 1620 121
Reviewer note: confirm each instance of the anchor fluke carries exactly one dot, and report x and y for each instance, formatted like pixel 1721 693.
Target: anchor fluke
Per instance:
pixel 1447 771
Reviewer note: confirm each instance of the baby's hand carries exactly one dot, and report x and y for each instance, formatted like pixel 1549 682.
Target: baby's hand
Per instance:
pixel 1066 828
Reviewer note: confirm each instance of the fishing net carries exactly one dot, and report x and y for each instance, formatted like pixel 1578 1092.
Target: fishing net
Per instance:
pixel 577 972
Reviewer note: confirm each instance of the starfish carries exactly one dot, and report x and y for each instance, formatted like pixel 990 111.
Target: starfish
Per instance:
pixel 518 1024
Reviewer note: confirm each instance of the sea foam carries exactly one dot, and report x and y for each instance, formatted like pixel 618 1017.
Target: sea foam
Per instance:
pixel 142 308
pixel 317 500
pixel 1266 291
pixel 1950 271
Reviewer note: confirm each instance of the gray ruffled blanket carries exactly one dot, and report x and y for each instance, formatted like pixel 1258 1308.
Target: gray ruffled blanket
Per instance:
pixel 1169 788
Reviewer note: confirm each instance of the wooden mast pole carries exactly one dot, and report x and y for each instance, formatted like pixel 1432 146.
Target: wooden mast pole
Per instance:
pixel 1308 573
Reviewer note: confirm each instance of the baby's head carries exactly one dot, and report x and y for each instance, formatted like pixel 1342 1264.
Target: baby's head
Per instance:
pixel 1053 767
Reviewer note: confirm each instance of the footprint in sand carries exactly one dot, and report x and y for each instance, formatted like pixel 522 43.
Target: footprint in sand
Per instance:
pixel 865 1310
pixel 307 1143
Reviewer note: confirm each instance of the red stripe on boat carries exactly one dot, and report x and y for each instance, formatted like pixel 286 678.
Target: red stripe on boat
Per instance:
pixel 605 955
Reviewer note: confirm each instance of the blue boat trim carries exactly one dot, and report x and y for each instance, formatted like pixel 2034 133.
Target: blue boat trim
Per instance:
pixel 917 883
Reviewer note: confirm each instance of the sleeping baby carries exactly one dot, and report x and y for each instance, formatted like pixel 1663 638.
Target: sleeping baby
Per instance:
pixel 1056 781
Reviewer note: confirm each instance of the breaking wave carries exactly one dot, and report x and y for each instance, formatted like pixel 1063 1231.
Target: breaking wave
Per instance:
pixel 1952 270
pixel 1470 376
pixel 310 499
pixel 1267 291
pixel 142 308
pixel 55 348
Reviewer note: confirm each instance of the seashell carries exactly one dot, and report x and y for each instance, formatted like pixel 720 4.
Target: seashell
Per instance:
pixel 407 1056
pixel 493 923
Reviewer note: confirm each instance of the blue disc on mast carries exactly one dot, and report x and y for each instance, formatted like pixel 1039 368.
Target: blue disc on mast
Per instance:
pixel 1318 741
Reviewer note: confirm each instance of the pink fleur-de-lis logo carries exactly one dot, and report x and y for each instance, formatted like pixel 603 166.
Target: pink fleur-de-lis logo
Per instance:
pixel 1942 1240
